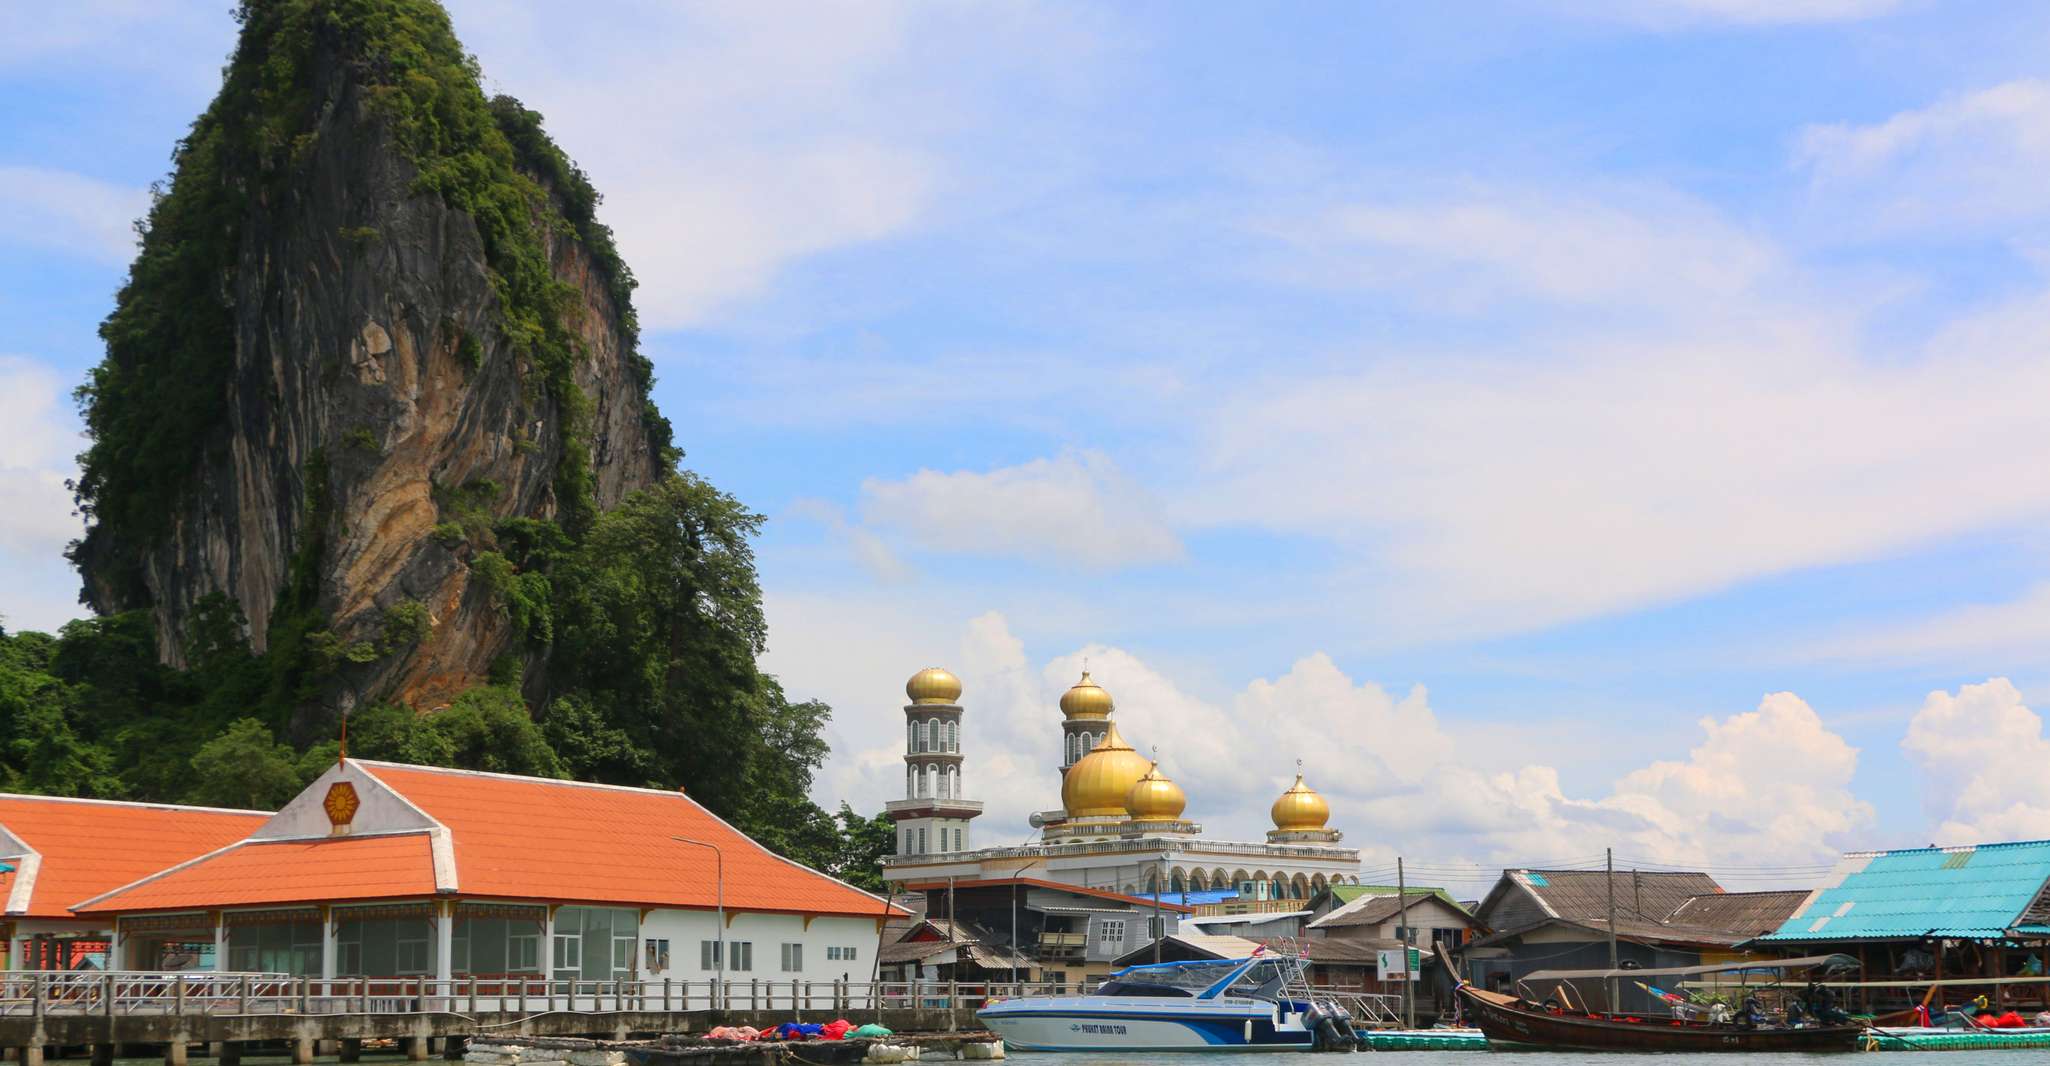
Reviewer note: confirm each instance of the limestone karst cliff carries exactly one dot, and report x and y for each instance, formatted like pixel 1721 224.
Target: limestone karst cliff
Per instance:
pixel 373 330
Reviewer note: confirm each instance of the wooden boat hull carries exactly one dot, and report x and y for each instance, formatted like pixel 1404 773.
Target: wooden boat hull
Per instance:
pixel 1510 1022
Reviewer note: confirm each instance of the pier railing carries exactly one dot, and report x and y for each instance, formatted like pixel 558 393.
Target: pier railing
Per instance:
pixel 115 994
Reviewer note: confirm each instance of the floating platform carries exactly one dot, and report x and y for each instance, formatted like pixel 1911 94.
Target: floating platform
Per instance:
pixel 1892 1039
pixel 1423 1039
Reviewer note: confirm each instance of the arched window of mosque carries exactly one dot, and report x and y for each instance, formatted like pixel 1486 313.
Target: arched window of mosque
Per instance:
pixel 954 781
pixel 932 734
pixel 953 736
pixel 933 771
pixel 910 781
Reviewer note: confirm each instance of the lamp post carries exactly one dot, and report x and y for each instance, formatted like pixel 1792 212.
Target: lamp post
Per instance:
pixel 719 888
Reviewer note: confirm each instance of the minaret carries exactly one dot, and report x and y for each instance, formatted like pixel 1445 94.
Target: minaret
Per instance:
pixel 933 816
pixel 1085 711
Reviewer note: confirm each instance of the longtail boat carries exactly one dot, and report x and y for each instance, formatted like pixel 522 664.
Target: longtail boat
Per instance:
pixel 1517 1022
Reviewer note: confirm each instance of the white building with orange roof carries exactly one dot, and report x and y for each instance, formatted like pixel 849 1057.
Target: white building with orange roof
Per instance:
pixel 60 850
pixel 382 870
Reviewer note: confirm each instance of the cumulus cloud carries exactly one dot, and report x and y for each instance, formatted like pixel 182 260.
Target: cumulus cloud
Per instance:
pixel 1076 508
pixel 1769 784
pixel 1982 753
pixel 1966 159
pixel 38 438
pixel 71 214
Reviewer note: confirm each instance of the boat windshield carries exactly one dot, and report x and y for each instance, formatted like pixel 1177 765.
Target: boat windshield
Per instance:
pixel 1173 979
pixel 1263 980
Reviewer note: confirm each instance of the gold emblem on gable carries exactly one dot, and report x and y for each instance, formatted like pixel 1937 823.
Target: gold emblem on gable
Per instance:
pixel 341 803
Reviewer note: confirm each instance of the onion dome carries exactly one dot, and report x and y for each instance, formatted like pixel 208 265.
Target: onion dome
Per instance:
pixel 1155 798
pixel 1300 808
pixel 1096 786
pixel 933 685
pixel 1086 700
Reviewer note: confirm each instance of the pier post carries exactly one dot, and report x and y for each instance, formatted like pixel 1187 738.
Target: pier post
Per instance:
pixel 351 1050
pixel 302 1051
pixel 416 1048
pixel 175 1052
pixel 230 1053
pixel 32 1055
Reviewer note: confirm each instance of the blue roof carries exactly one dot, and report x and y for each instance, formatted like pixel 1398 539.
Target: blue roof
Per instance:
pixel 1970 893
pixel 1192 898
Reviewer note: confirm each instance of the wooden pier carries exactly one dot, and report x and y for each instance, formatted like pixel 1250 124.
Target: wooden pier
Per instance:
pixel 110 1011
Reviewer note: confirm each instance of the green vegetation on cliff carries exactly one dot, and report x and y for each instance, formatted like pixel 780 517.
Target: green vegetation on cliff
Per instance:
pixel 636 630
pixel 157 401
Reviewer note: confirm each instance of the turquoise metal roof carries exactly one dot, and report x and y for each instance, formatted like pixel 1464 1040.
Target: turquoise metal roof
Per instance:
pixel 1968 893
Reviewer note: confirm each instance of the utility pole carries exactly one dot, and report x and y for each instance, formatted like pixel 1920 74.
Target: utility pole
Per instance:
pixel 1610 855
pixel 1402 922
pixel 1159 886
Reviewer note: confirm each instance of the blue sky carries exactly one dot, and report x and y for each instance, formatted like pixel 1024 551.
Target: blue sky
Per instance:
pixel 1493 406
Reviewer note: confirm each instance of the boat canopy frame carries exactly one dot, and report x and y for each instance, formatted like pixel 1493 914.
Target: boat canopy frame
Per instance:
pixel 1806 962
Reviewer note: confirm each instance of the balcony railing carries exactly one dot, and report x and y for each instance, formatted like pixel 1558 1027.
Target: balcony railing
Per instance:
pixel 53 993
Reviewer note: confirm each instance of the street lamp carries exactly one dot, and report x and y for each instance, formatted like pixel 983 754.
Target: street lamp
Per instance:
pixel 719 887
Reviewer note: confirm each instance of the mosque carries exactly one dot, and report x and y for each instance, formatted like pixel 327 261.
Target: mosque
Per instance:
pixel 1119 827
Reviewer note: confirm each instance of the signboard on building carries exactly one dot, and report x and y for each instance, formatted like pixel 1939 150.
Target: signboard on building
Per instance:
pixel 1389 963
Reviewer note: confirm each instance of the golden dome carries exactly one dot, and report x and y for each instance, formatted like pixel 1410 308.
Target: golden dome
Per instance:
pixel 1155 798
pixel 933 685
pixel 1086 700
pixel 1098 783
pixel 1300 808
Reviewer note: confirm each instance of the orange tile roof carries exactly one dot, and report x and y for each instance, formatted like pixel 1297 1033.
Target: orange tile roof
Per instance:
pixel 535 838
pixel 399 866
pixel 92 846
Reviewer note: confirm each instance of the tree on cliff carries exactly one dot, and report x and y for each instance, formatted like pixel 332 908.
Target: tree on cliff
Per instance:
pixel 372 437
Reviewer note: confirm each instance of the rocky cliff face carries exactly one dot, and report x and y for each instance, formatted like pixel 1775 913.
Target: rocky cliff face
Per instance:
pixel 380 406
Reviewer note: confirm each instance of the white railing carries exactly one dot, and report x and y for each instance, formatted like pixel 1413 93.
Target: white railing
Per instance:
pixel 229 994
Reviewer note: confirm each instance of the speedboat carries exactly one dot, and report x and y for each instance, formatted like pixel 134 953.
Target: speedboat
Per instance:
pixel 1261 1003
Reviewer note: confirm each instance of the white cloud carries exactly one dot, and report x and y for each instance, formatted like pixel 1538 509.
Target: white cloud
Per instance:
pixel 868 549
pixel 1970 159
pixel 1676 409
pixel 2020 627
pixel 1762 786
pixel 733 141
pixel 38 437
pixel 70 214
pixel 1619 247
pixel 1075 508
pixel 1983 754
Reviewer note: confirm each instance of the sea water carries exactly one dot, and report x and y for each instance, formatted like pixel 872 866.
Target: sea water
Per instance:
pixel 2018 1057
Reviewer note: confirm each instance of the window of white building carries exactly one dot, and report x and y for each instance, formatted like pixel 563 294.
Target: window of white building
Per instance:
pixel 793 958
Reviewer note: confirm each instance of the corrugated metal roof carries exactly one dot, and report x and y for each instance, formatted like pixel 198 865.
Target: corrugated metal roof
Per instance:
pixel 1969 893
pixel 1582 895
pixel 1746 914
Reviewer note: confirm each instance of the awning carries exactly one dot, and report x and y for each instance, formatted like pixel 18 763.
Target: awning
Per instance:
pixel 1808 962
